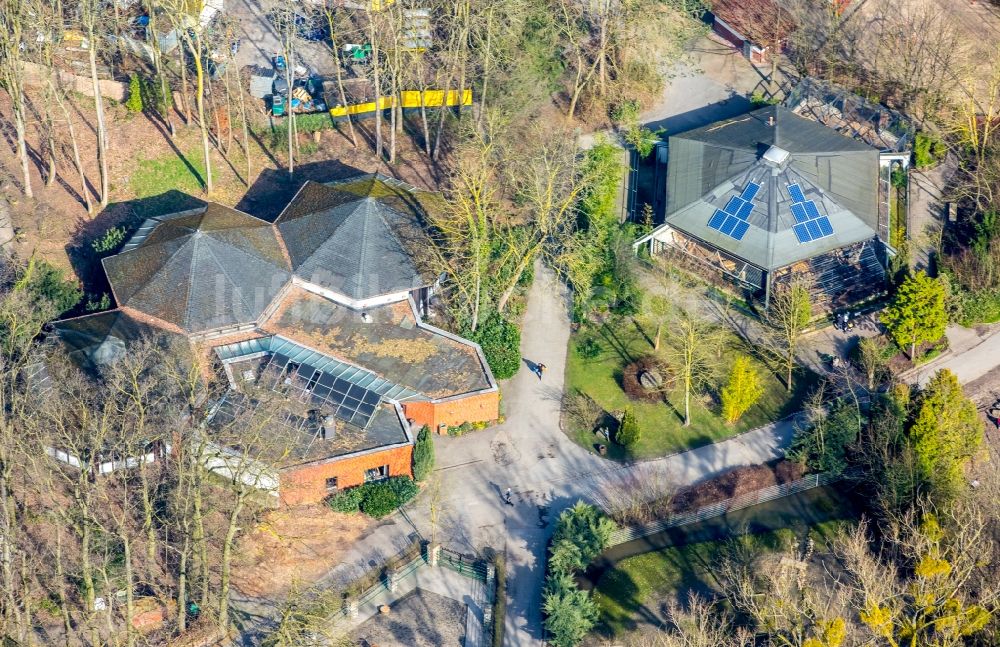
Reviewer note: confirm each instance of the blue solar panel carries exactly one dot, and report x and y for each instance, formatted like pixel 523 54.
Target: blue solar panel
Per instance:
pixel 719 217
pixel 727 227
pixel 811 209
pixel 796 193
pixel 750 192
pixel 740 230
pixel 801 233
pixel 745 211
pixel 733 205
pixel 814 229
pixel 824 226
pixel 799 212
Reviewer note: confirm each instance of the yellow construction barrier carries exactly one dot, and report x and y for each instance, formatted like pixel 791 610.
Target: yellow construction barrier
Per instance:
pixel 408 99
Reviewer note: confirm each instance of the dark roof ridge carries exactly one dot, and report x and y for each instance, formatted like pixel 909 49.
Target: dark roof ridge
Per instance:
pixel 225 272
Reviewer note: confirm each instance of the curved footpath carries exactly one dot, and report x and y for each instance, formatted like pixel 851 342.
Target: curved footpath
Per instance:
pixel 546 471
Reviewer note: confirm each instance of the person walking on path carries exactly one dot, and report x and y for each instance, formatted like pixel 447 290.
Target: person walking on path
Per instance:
pixel 507 499
pixel 541 370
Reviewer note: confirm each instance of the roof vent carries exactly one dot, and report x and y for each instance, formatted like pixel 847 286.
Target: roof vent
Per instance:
pixel 329 428
pixel 770 120
pixel 775 156
pixel 365 317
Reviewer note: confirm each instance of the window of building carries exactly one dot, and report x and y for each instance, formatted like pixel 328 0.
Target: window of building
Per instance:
pixel 377 474
pixel 331 484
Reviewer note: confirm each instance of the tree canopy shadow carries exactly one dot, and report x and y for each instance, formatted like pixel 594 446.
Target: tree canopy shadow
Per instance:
pixel 274 188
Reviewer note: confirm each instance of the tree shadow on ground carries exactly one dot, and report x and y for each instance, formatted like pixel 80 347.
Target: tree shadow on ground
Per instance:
pixel 129 215
pixel 274 188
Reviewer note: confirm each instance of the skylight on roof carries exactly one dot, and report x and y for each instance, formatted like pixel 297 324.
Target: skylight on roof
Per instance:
pixel 776 156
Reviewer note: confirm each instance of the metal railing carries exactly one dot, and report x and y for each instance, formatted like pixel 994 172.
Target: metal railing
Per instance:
pixel 630 533
pixel 463 564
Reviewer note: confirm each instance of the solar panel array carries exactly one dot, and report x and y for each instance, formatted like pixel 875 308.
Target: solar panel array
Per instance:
pixel 732 220
pixel 810 224
pixel 348 402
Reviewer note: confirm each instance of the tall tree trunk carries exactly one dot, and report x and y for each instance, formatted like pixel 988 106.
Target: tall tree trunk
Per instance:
pixel 22 147
pixel 340 77
pixel 378 95
pixel 246 130
pixel 185 103
pixel 102 131
pixel 227 558
pixel 61 590
pixel 182 572
pixel 200 104
pixel 84 190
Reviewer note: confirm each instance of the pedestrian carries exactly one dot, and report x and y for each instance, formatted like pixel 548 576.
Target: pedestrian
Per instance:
pixel 541 370
pixel 507 499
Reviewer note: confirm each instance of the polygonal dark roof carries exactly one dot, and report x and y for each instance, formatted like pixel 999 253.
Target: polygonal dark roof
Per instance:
pixel 707 166
pixel 97 340
pixel 212 268
pixel 358 237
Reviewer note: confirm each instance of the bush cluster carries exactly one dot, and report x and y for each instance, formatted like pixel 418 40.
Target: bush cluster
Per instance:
pixel 582 533
pixel 501 344
pixel 423 454
pixel 628 432
pixel 375 499
pixel 109 241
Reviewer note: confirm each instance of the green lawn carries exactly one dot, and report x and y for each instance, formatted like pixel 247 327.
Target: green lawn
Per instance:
pixel 633 591
pixel 166 184
pixel 621 342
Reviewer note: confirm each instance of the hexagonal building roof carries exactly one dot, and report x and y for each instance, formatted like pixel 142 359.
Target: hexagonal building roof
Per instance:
pixel 772 187
pixel 200 270
pixel 358 237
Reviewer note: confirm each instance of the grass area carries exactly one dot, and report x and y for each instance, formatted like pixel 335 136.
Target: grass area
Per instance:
pixel 184 172
pixel 166 184
pixel 622 342
pixel 630 594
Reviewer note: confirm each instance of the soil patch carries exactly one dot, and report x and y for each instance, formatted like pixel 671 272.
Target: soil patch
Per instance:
pixel 294 544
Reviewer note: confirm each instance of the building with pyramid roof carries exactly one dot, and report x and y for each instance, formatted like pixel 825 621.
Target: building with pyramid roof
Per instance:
pixel 767 195
pixel 320 313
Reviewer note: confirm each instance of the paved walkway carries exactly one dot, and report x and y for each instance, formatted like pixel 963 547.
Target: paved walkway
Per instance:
pixel 972 353
pixel 547 472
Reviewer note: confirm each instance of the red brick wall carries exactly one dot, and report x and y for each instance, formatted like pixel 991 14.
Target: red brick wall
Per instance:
pixel 723 30
pixel 307 484
pixel 482 407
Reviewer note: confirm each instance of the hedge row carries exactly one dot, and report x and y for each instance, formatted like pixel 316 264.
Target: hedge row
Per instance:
pixel 375 499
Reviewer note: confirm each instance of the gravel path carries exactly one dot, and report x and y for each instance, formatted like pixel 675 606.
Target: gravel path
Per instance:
pixel 419 619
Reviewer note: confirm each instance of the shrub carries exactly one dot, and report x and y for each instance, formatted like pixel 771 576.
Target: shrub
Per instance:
pixel 570 612
pixel 97 305
pixel 759 100
pixel 582 533
pixel 461 429
pixel 347 501
pixel 743 389
pixel 47 282
pixel 499 600
pixel 135 92
pixel 628 432
pixel 501 344
pixel 588 348
pixel 379 501
pixel 403 487
pixel 927 150
pixel 423 454
pixel 109 241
